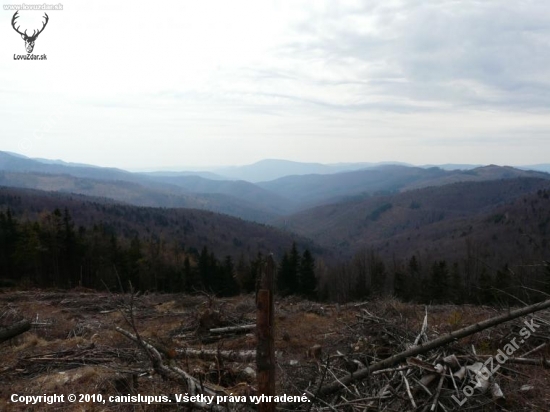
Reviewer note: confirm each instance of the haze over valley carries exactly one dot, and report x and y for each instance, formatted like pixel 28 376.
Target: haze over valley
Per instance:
pixel 337 210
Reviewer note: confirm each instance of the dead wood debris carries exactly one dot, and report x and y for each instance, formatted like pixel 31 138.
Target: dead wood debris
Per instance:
pixel 370 356
pixel 427 375
pixel 386 366
pixel 192 385
pixel 14 330
pixel 62 360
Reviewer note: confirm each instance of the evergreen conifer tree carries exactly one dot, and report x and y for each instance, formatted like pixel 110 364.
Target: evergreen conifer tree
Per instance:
pixel 307 279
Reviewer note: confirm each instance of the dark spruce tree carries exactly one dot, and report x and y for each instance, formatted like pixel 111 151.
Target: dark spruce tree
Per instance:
pixel 485 292
pixel 8 239
pixel 287 276
pixel 228 286
pixel 205 270
pixel 294 265
pixel 415 279
pixel 284 276
pixel 307 279
pixel 439 282
pixel 400 285
pixel 377 271
pixel 457 290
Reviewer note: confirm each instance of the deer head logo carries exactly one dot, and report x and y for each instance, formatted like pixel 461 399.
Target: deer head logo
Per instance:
pixel 29 40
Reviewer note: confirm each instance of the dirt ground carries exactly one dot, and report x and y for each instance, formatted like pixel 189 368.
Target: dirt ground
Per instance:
pixel 73 348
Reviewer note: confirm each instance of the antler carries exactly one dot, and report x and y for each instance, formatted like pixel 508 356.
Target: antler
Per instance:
pixel 34 33
pixel 15 16
pixel 43 26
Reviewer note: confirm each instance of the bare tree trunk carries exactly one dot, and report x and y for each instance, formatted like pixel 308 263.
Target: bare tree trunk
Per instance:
pixel 265 353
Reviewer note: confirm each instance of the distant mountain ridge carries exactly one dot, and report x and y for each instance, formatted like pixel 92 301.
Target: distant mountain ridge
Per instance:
pixel 206 175
pixel 13 163
pixel 543 167
pixel 237 188
pixel 138 189
pixel 129 192
pixel 271 169
pixel 262 202
pixel 313 190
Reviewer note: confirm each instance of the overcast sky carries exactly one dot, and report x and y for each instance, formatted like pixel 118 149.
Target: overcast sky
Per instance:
pixel 200 83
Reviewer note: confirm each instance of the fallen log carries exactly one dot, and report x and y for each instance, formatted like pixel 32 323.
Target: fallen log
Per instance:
pixel 14 330
pixel 215 334
pixel 233 329
pixel 191 385
pixel 430 345
pixel 230 355
pixel 520 361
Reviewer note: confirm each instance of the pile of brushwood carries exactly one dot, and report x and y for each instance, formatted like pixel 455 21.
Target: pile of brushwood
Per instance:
pixel 373 356
pixel 402 371
pixel 415 373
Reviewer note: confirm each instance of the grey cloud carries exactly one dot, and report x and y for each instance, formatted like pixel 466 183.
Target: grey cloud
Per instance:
pixel 502 47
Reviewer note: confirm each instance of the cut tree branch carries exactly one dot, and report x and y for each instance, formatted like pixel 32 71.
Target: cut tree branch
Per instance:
pixel 174 374
pixel 433 344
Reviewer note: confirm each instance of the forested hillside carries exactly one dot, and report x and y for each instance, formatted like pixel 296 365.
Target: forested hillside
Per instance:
pixel 389 229
pixel 416 221
pixel 500 256
pixel 50 239
pixel 450 243
pixel 149 193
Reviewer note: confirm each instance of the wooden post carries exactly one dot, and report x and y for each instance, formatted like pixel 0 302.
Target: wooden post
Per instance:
pixel 265 352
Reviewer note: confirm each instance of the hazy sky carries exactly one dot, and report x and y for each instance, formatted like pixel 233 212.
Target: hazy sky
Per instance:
pixel 193 83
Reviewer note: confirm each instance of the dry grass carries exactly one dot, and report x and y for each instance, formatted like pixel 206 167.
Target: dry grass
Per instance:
pixel 80 325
